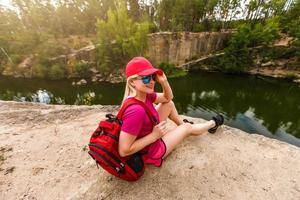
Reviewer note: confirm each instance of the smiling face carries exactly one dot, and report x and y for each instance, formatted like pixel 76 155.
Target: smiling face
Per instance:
pixel 143 86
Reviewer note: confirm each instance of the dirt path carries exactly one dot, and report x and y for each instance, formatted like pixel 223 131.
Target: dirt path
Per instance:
pixel 43 156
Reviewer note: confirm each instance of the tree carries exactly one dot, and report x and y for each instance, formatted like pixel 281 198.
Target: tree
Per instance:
pixel 181 15
pixel 119 38
pixel 290 22
pixel 237 57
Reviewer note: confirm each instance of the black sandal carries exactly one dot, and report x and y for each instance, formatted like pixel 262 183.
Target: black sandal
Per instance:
pixel 187 121
pixel 219 120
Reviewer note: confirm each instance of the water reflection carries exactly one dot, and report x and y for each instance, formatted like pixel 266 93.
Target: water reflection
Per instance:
pixel 42 96
pixel 251 104
pixel 85 98
pixel 209 95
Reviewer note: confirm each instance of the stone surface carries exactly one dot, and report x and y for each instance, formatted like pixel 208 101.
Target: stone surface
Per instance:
pixel 81 82
pixel 180 47
pixel 45 157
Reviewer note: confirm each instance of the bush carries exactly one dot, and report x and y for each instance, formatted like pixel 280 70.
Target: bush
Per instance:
pixel 264 34
pixel 39 71
pixel 171 71
pixel 235 61
pixel 238 55
pixel 290 22
pixel 85 99
pixel 17 59
pixel 56 72
pixel 270 53
pixel 82 69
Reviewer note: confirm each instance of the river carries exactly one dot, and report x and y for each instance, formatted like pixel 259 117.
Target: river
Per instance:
pixel 261 105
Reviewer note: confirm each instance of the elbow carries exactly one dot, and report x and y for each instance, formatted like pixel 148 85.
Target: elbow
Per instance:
pixel 170 98
pixel 123 152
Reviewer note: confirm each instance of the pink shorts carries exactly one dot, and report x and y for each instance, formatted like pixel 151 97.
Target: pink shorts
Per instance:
pixel 155 154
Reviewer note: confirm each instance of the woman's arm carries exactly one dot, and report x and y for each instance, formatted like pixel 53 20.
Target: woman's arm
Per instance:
pixel 167 94
pixel 129 145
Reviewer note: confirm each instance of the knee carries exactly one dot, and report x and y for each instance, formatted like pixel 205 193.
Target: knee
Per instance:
pixel 187 127
pixel 169 104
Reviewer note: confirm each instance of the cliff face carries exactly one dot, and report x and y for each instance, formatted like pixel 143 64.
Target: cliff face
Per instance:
pixel 172 47
pixel 43 155
pixel 179 47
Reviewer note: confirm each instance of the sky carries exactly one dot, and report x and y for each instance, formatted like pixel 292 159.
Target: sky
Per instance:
pixel 8 4
pixel 5 3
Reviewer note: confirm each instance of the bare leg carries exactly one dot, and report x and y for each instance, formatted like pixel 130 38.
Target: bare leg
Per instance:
pixel 175 136
pixel 168 110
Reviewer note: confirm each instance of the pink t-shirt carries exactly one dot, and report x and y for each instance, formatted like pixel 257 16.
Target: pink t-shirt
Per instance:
pixel 136 122
pixel 135 119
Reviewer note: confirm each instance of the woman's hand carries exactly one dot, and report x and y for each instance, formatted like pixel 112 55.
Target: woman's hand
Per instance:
pixel 159 130
pixel 161 78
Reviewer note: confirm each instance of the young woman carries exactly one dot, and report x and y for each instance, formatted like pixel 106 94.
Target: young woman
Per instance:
pixel 137 132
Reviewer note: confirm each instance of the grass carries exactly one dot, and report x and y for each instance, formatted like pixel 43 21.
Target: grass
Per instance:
pixel 84 148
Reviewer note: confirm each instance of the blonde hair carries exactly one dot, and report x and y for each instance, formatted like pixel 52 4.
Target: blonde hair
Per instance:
pixel 129 89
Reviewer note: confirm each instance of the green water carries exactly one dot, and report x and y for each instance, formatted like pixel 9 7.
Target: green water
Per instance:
pixel 270 107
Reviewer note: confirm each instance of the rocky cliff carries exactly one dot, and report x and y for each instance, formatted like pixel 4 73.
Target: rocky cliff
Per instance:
pixel 43 155
pixel 172 47
pixel 175 48
pixel 179 47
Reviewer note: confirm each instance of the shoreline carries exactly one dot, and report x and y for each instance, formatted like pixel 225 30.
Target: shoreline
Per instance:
pixel 44 150
pixel 277 73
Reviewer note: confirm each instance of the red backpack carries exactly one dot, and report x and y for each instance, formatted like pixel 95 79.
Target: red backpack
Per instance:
pixel 104 146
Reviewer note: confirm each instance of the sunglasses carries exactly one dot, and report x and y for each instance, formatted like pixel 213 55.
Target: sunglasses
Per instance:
pixel 147 79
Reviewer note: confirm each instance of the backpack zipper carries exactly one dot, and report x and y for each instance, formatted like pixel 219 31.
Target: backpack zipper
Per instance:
pixel 115 158
pixel 119 170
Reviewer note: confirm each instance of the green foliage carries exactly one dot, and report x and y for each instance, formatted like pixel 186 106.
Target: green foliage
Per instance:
pixel 56 72
pixel 85 99
pixel 35 28
pixel 82 69
pixel 291 76
pixel 16 58
pixel 235 60
pixel 238 57
pixel 49 47
pixel 171 71
pixel 265 34
pixel 119 39
pixel 182 15
pixel 84 148
pixel 261 10
pixel 291 19
pixel 39 71
pixel 290 22
pixel 47 30
pixel 272 53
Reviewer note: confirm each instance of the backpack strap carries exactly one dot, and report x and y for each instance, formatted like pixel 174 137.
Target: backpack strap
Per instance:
pixel 133 101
